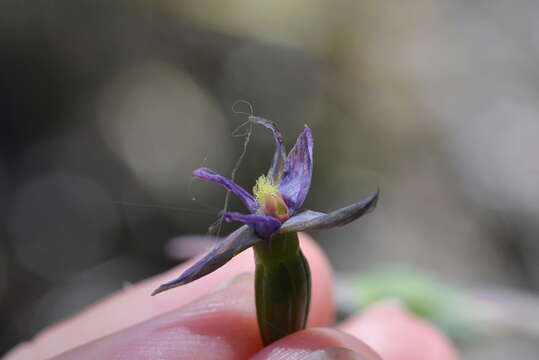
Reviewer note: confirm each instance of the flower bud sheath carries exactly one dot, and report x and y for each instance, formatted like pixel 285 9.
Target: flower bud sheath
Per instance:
pixel 282 287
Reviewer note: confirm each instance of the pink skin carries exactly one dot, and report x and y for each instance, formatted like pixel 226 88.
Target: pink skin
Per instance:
pixel 209 319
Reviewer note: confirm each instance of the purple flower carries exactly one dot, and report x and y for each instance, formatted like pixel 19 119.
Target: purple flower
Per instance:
pixel 273 206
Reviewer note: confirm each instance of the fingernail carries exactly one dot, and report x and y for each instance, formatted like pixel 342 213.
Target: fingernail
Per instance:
pixel 231 282
pixel 334 353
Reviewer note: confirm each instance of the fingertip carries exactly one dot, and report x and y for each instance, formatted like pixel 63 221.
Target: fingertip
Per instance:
pixel 397 334
pixel 310 342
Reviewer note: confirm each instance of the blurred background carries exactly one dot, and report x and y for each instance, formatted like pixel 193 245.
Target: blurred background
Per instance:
pixel 107 107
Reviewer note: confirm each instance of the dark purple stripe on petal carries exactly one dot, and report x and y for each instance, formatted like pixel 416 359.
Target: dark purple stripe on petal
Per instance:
pixel 311 220
pixel 244 195
pixel 225 250
pixel 264 225
pixel 298 170
pixel 277 166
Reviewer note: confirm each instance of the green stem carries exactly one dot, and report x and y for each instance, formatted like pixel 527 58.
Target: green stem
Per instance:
pixel 282 287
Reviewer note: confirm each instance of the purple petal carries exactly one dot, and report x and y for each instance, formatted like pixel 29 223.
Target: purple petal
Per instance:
pixel 225 250
pixel 277 166
pixel 298 171
pixel 244 195
pixel 312 220
pixel 264 225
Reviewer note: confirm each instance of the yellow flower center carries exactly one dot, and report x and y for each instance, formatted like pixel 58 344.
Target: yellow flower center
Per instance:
pixel 269 198
pixel 264 187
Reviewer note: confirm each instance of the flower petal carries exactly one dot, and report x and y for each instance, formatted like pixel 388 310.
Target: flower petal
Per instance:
pixel 298 170
pixel 264 225
pixel 225 250
pixel 312 220
pixel 277 166
pixel 244 195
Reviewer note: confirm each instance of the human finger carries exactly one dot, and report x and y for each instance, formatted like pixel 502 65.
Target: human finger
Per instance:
pixel 317 343
pixel 220 325
pixel 396 334
pixel 134 305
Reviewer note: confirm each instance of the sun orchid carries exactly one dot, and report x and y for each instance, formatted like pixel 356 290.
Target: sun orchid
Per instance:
pixel 282 278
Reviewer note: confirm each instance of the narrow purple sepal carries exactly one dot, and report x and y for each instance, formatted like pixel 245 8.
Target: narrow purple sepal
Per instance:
pixel 264 225
pixel 279 158
pixel 225 250
pixel 248 200
pixel 311 220
pixel 300 219
pixel 298 170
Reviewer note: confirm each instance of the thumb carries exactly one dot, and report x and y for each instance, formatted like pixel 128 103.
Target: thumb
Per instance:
pixel 193 331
